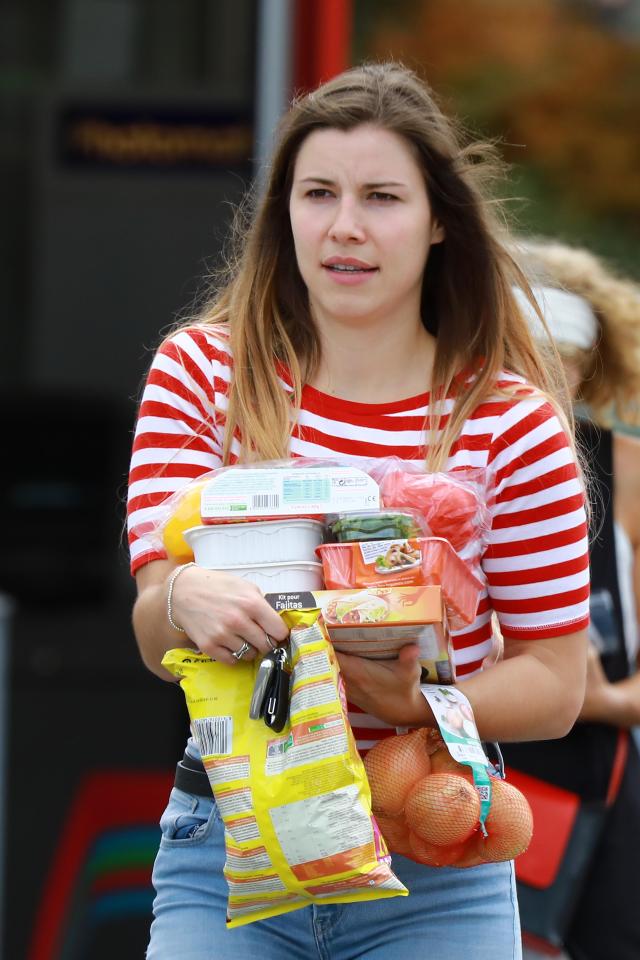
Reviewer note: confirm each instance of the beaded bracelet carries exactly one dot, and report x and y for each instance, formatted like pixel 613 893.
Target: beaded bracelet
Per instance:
pixel 174 576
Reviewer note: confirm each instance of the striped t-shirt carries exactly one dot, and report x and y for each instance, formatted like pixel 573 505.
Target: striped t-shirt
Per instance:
pixel 534 564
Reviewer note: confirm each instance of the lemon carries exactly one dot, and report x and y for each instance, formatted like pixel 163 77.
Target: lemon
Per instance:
pixel 186 514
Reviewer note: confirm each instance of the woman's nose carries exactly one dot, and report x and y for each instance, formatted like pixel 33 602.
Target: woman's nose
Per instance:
pixel 346 225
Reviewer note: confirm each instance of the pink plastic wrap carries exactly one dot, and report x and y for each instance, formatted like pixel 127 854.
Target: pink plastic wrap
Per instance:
pixel 452 504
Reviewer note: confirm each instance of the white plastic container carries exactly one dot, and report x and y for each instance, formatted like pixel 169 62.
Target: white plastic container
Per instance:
pixel 291 577
pixel 263 541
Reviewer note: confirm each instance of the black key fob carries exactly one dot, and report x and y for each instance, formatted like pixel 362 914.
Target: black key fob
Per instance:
pixel 277 704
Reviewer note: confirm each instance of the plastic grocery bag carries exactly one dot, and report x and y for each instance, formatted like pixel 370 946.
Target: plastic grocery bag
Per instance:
pixel 452 504
pixel 296 805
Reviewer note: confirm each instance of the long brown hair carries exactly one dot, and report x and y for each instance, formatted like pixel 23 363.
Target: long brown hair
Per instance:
pixel 467 299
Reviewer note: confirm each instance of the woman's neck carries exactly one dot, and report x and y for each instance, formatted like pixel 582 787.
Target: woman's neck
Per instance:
pixel 380 365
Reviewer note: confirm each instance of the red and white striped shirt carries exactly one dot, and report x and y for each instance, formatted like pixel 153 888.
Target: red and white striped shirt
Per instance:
pixel 535 564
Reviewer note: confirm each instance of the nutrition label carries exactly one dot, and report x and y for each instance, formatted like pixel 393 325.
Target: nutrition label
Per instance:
pixel 234 801
pixel 311 665
pixel 321 826
pixel 243 829
pixel 307 753
pixel 226 771
pixel 247 861
pixel 329 741
pixel 270 884
pixel 318 693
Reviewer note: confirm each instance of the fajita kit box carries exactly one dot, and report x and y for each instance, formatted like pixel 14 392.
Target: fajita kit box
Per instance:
pixel 417 561
pixel 375 622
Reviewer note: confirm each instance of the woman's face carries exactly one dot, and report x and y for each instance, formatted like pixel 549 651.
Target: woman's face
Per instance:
pixel 362 224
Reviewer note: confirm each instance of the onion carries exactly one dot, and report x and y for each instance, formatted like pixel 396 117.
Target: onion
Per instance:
pixel 393 766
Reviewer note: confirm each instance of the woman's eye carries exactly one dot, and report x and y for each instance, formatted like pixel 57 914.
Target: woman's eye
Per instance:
pixel 319 193
pixel 377 195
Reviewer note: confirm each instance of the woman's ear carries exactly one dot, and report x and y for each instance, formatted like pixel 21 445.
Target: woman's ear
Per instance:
pixel 437 232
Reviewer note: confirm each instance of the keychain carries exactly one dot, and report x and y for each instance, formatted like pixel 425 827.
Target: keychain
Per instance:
pixel 270 698
pixel 276 708
pixel 262 686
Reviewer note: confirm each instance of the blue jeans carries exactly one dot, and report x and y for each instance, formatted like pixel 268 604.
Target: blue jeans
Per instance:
pixel 449 914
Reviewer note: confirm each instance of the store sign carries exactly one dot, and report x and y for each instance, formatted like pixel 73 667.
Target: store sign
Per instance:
pixel 143 138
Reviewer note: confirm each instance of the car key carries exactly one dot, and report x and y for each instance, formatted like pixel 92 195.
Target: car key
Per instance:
pixel 277 705
pixel 262 686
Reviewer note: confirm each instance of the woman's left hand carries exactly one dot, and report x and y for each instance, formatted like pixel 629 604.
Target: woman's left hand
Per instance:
pixel 388 689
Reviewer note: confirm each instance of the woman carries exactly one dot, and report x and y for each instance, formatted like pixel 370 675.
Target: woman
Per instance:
pixel 371 313
pixel 594 318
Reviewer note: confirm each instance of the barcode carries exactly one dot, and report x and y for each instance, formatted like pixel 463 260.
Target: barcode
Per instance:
pixel 265 500
pixel 214 735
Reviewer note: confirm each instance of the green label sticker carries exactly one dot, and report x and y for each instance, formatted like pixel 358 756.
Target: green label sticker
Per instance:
pixel 457 725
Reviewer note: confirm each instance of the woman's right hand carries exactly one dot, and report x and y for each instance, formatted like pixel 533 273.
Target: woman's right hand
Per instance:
pixel 219 612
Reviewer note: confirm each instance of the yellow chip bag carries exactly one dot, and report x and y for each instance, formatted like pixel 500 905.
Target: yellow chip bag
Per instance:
pixel 296 805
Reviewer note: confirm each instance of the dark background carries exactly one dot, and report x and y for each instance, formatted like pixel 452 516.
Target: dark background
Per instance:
pixel 102 249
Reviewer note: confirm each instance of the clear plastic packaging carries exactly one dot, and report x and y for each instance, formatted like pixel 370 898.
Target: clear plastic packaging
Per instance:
pixel 378 525
pixel 380 498
pixel 299 488
pixel 451 504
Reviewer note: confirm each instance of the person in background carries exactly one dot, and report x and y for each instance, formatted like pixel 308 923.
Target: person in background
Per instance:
pixel 593 316
pixel 369 313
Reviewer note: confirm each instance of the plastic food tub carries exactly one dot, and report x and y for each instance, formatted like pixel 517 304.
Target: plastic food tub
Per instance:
pixel 291 577
pixel 262 541
pixel 378 525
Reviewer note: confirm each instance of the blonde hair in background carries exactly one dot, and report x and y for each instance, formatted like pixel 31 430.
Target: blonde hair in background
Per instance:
pixel 467 300
pixel 610 373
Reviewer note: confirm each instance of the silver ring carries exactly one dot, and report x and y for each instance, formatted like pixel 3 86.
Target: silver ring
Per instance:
pixel 239 654
pixel 270 642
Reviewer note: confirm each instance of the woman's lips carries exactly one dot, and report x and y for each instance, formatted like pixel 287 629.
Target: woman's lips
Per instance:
pixel 349 276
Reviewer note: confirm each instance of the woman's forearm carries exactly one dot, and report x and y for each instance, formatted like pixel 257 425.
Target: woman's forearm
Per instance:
pixel 219 613
pixel 535 693
pixel 153 632
pixel 526 696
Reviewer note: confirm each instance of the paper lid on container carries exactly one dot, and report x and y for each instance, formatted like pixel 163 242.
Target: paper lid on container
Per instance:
pixel 288 491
